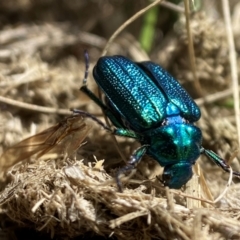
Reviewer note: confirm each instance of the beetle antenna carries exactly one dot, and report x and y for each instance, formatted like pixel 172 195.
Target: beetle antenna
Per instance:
pixel 86 57
pixel 95 119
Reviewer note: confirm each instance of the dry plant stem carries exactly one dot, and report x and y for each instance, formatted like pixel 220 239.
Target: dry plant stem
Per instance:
pixel 126 218
pixel 197 227
pixel 233 63
pixel 194 188
pixel 52 35
pixel 194 183
pixel 196 84
pixel 32 107
pixel 215 97
pixel 128 22
pixel 226 188
pixel 170 203
pixel 206 192
pixel 179 193
pixel 172 6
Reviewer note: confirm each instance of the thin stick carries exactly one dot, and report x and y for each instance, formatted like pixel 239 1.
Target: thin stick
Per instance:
pixel 128 22
pixel 196 84
pixel 32 107
pixel 226 188
pixel 233 63
pixel 215 97
pixel 36 108
pixel 173 7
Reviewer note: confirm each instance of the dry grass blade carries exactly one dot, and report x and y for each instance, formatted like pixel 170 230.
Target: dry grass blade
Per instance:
pixel 64 137
pixel 233 62
pixel 32 107
pixel 226 188
pixel 129 21
pixel 191 52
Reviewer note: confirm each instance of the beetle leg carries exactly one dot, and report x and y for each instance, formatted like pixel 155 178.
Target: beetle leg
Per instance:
pixel 105 109
pixel 92 96
pixel 115 131
pixel 218 160
pixel 85 89
pixel 132 163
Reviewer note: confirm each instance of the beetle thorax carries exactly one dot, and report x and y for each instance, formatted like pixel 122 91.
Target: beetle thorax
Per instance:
pixel 175 142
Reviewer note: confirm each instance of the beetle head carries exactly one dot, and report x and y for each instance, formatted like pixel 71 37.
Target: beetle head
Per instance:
pixel 176 175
